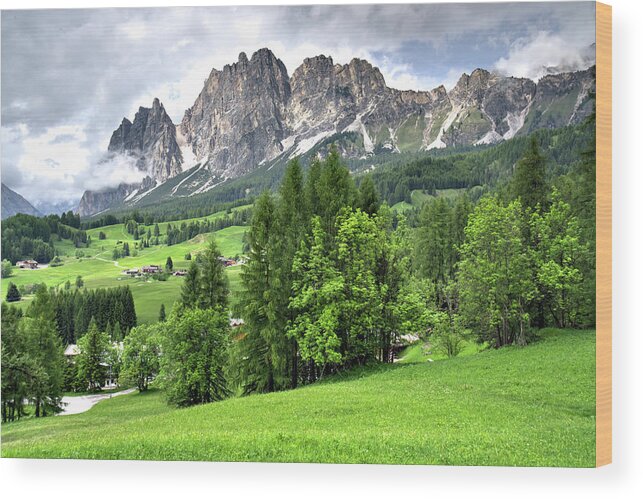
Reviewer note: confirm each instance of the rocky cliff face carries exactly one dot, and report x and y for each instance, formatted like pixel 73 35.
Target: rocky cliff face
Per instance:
pixel 251 113
pixel 237 120
pixel 151 141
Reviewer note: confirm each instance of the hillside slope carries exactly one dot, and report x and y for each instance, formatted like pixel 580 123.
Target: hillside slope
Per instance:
pixel 13 203
pixel 532 406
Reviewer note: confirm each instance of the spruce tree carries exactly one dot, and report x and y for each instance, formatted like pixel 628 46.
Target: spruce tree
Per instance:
pixel 290 228
pixel 13 294
pixel 259 369
pixel 214 288
pixel 529 183
pixel 162 316
pixel 190 289
pixel 368 198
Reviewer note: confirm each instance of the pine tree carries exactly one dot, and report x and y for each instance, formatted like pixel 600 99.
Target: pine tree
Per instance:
pixel 117 333
pixel 214 288
pixel 12 293
pixel 190 289
pixel 169 264
pixel 94 347
pixel 162 313
pixel 368 198
pixel 261 363
pixel 529 183
pixel 290 228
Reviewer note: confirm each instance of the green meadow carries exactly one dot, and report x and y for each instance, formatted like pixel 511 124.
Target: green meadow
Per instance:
pixel 98 270
pixel 529 406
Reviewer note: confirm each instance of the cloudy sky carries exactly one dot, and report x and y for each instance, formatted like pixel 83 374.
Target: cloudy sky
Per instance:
pixel 70 76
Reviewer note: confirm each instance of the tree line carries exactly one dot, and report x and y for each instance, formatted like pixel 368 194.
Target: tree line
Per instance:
pixel 25 237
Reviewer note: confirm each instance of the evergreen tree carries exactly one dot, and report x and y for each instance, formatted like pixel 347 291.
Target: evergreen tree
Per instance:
pixel 190 289
pixel 94 346
pixel 117 333
pixel 368 198
pixel 336 190
pixel 261 363
pixel 529 182
pixel 169 264
pixel 162 313
pixel 290 228
pixel 214 290
pixel 12 293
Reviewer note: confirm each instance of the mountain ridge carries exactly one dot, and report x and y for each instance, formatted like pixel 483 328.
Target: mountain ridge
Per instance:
pixel 14 203
pixel 252 113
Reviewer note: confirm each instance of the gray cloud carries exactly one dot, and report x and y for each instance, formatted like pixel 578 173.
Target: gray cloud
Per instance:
pixel 69 76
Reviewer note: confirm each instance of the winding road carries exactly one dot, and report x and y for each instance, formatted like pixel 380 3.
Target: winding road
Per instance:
pixel 82 403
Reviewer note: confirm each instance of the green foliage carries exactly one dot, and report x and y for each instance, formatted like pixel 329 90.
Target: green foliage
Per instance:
pixel 79 282
pixel 214 287
pixel 162 315
pixel 195 347
pixel 7 268
pixel 94 354
pixel 259 357
pixel 495 277
pixel 12 293
pixel 317 292
pixel 560 257
pixel 141 356
pixel 448 334
pixel 528 182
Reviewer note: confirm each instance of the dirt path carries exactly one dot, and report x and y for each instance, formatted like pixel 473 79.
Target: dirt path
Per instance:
pixel 82 403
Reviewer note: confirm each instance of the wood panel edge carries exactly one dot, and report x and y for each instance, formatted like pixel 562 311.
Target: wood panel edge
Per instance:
pixel 603 234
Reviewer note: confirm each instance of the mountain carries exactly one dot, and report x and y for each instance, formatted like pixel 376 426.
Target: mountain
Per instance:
pixel 13 203
pixel 252 115
pixel 150 142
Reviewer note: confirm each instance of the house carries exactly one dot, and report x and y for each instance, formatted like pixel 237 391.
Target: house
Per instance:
pixel 152 269
pixel 133 272
pixel 110 380
pixel 227 262
pixel 27 264
pixel 180 273
pixel 71 351
pixel 236 322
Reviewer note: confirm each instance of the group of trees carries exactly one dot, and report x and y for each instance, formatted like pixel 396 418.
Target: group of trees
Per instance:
pixel 28 237
pixel 32 360
pixel 112 309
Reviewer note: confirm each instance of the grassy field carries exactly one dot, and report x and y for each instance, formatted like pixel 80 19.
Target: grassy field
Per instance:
pixel 98 270
pixel 532 406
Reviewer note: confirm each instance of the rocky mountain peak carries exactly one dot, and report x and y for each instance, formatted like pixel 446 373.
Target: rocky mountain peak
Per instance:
pixel 151 140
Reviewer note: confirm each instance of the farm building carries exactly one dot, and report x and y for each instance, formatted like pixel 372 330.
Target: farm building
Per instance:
pixel 152 269
pixel 227 262
pixel 27 264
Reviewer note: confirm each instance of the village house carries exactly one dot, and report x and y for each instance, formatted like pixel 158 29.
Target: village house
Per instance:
pixel 227 262
pixel 110 380
pixel 152 269
pixel 27 264
pixel 180 273
pixel 133 272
